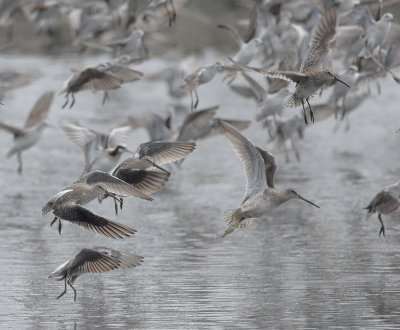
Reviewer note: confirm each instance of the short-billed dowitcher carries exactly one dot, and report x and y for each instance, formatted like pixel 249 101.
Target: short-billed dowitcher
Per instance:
pixel 102 77
pixel 95 260
pixel 158 127
pixel 202 124
pixel 200 76
pixel 375 32
pixel 385 202
pixel 261 196
pixel 162 152
pixel 311 77
pixel 66 205
pixel 141 171
pixel 102 150
pixel 29 135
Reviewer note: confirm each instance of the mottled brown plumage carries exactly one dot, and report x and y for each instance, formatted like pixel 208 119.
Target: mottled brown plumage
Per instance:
pixel 261 196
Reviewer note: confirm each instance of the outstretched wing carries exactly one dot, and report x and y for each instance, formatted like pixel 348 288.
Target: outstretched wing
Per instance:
pixel 119 136
pixel 286 75
pixel 165 152
pixel 11 129
pixel 102 259
pixel 320 40
pixel 39 110
pixel 83 217
pixel 113 185
pixel 251 159
pixel 270 166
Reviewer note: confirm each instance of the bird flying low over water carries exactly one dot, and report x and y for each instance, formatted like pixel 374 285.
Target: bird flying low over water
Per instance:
pixel 202 124
pixel 162 152
pixel 261 196
pixel 103 77
pixel 30 134
pixel 102 150
pixel 311 77
pixel 144 172
pixel 95 260
pixel 385 202
pixel 66 205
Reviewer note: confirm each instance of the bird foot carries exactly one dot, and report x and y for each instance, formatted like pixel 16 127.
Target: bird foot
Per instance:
pixel 382 231
pixel 59 226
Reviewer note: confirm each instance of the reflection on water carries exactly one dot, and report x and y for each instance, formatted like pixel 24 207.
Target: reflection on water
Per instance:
pixel 299 267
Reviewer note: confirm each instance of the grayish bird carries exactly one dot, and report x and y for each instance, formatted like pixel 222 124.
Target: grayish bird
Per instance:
pixel 247 50
pixel 102 150
pixel 158 127
pixel 89 78
pixel 375 32
pixel 311 77
pixel 385 202
pixel 261 196
pixel 66 205
pixel 340 91
pixel 158 14
pixel 102 77
pixel 162 152
pixel 29 135
pixel 202 124
pixel 269 104
pixel 142 174
pixel 95 260
pixel 281 131
pixel 201 76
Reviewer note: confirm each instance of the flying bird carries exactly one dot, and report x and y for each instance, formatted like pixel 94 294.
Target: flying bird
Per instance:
pixel 95 260
pixel 261 196
pixel 30 134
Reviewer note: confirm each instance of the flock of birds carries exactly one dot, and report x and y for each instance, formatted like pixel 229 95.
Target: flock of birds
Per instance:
pixel 290 42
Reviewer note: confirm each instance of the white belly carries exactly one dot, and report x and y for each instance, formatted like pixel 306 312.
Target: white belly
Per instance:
pixel 256 207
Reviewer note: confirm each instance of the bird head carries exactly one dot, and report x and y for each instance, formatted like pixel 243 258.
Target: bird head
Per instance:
pixel 332 75
pixel 292 193
pixel 387 17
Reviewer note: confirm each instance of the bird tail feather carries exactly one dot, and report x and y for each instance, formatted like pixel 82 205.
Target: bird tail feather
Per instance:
pixel 292 102
pixel 231 217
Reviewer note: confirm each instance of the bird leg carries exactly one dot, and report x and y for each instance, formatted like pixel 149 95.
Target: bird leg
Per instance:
pixel 343 108
pixel 70 284
pixel 54 220
pixel 19 163
pixel 197 99
pixel 173 11
pixel 191 104
pixel 59 226
pixel 382 231
pixel 296 152
pixel 116 199
pixel 65 290
pixel 347 126
pixel 378 87
pixel 73 100
pixel 311 112
pixel 171 16
pixel 105 97
pixel 380 54
pixel 66 101
pixel 304 113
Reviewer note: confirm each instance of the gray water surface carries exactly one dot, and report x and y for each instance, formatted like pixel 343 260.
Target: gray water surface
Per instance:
pixel 299 267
